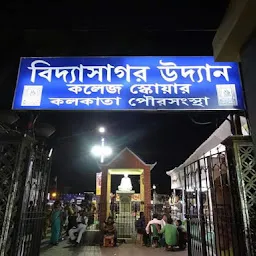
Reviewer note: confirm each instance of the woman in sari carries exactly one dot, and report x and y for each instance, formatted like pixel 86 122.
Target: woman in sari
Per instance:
pixel 56 222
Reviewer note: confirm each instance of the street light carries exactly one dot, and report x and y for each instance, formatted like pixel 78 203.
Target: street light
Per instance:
pixel 154 187
pixel 102 130
pixel 101 151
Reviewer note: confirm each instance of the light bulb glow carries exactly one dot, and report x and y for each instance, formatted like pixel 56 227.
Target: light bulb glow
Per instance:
pixel 102 129
pixel 101 151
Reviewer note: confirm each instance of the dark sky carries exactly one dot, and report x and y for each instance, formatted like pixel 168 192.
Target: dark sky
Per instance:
pixel 184 28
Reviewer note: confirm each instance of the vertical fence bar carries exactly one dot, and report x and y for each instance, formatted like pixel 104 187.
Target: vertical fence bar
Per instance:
pixel 201 212
pixel 187 211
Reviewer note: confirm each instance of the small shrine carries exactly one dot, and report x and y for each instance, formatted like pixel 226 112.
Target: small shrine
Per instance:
pixel 125 163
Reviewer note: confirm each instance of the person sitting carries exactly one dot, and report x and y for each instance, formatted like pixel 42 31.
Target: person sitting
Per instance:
pixel 79 228
pixel 109 229
pixel 182 241
pixel 140 228
pixel 155 220
pixel 170 234
pixel 71 218
pixel 154 235
pixel 163 223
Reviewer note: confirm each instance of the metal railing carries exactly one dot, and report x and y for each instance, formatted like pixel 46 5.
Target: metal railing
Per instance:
pixel 213 228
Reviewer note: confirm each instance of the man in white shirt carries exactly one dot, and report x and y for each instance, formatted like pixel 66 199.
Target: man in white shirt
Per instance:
pixel 80 228
pixel 155 220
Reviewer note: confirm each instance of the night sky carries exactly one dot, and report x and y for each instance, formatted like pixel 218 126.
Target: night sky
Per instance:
pixel 167 138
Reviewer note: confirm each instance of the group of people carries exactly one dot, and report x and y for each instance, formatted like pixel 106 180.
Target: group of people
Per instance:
pixel 162 231
pixel 72 217
pixel 157 232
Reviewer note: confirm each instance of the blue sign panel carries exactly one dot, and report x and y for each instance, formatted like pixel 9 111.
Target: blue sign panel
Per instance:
pixel 128 83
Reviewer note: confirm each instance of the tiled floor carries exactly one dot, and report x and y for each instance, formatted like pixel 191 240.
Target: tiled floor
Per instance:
pixel 65 249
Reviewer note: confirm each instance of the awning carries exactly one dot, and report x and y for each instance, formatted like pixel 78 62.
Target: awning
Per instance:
pixel 219 135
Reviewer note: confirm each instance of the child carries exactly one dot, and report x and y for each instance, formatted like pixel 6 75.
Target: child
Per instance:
pixel 170 234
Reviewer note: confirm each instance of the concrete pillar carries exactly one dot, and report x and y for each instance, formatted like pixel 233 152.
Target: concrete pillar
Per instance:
pixel 235 41
pixel 248 71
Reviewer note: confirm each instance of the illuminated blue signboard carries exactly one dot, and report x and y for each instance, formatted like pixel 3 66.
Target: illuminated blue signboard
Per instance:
pixel 128 83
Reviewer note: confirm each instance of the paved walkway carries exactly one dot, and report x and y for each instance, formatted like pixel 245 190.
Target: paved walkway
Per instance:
pixel 65 249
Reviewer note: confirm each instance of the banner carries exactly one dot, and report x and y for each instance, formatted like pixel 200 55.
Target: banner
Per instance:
pixel 128 83
pixel 98 183
pixel 134 198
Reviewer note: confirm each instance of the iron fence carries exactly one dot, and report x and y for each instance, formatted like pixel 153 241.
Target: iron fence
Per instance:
pixel 213 206
pixel 24 173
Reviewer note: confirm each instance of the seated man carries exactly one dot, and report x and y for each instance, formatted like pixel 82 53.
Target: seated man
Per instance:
pixel 80 228
pixel 170 234
pixel 110 229
pixel 155 220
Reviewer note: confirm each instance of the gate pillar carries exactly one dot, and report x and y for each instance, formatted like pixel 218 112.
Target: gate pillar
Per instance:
pixel 242 172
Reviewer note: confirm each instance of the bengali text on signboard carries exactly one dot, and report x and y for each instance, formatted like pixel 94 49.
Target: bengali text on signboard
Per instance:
pixel 127 83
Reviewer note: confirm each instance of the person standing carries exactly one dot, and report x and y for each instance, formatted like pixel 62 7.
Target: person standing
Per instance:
pixel 182 235
pixel 55 223
pixel 141 228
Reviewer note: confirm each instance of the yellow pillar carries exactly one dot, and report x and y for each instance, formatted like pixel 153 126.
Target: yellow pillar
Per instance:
pixel 108 193
pixel 142 191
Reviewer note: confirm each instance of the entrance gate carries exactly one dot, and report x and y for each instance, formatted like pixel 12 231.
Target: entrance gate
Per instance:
pixel 214 208
pixel 24 174
pixel 220 201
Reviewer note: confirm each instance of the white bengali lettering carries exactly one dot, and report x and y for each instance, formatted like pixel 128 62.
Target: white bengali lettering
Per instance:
pixel 74 101
pixel 56 101
pixel 200 102
pixel 157 88
pixel 169 72
pixel 140 73
pixel 150 101
pixel 114 88
pixel 147 100
pixel 94 88
pixel 46 71
pixel 65 71
pixel 99 71
pixel 75 88
pixel 87 101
